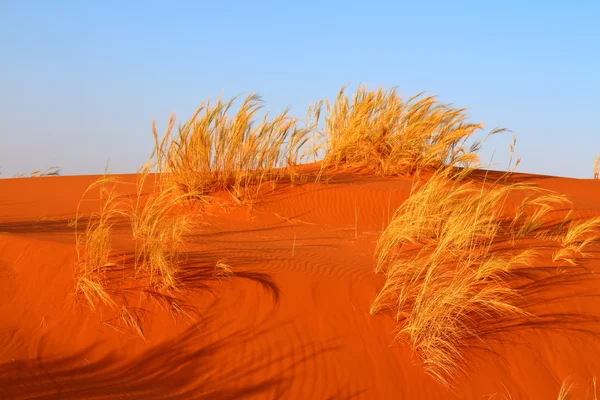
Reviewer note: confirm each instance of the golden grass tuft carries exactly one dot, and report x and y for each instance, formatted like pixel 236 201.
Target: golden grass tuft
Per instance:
pixel 577 237
pixel 93 247
pixel 52 171
pixel 218 151
pixel 455 276
pixel 222 269
pixel 132 319
pixel 380 130
pixel 160 226
pixel 449 258
pixel 565 389
pixel 597 167
pixel 567 386
pixel 531 213
pixel 160 223
pixel 222 149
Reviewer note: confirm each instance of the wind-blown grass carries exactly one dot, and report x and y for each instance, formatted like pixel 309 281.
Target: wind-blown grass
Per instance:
pixel 93 247
pixel 217 150
pixel 578 236
pixel 160 226
pixel 222 149
pixel 52 171
pixel 450 262
pixel 565 390
pixel 454 277
pixel 597 167
pixel 392 136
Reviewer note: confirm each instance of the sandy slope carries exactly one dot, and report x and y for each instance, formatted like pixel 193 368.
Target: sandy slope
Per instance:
pixel 292 323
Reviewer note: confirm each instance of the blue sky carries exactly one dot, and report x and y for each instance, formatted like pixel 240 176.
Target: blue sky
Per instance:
pixel 82 81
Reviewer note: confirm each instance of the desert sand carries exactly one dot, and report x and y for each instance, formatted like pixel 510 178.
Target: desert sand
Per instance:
pixel 292 321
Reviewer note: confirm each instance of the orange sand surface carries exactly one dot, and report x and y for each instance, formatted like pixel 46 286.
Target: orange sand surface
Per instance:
pixel 293 322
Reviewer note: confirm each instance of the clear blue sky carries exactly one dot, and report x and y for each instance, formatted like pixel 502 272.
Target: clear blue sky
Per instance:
pixel 81 81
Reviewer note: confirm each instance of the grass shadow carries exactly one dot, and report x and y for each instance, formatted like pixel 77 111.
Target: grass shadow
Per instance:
pixel 191 365
pixel 548 297
pixel 53 225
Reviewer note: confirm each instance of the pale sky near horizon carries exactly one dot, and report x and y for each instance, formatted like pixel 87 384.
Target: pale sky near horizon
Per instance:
pixel 81 82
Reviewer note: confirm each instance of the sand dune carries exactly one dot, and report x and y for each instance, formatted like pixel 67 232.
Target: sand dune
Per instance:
pixel 292 322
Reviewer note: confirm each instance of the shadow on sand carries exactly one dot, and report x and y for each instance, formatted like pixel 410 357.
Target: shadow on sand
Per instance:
pixel 193 365
pixel 553 300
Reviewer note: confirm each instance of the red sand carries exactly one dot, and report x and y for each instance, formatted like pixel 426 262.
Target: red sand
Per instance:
pixel 293 323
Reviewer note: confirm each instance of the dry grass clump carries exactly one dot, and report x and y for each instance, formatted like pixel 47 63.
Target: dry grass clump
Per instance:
pixel 218 151
pixel 450 262
pixel 222 270
pixel 566 389
pixel 529 217
pixel 132 319
pixel 380 130
pixel 577 236
pixel 160 223
pixel 93 247
pixel 597 167
pixel 565 392
pixel 567 386
pixel 455 278
pixel 52 171
pixel 222 149
pixel 160 226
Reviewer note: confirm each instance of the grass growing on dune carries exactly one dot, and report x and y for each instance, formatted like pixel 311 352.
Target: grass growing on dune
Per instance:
pixel 160 226
pixel 454 277
pixel 565 392
pixel 93 246
pixel 52 171
pixel 597 167
pixel 220 150
pixel 577 236
pixel 380 130
pixel 449 258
